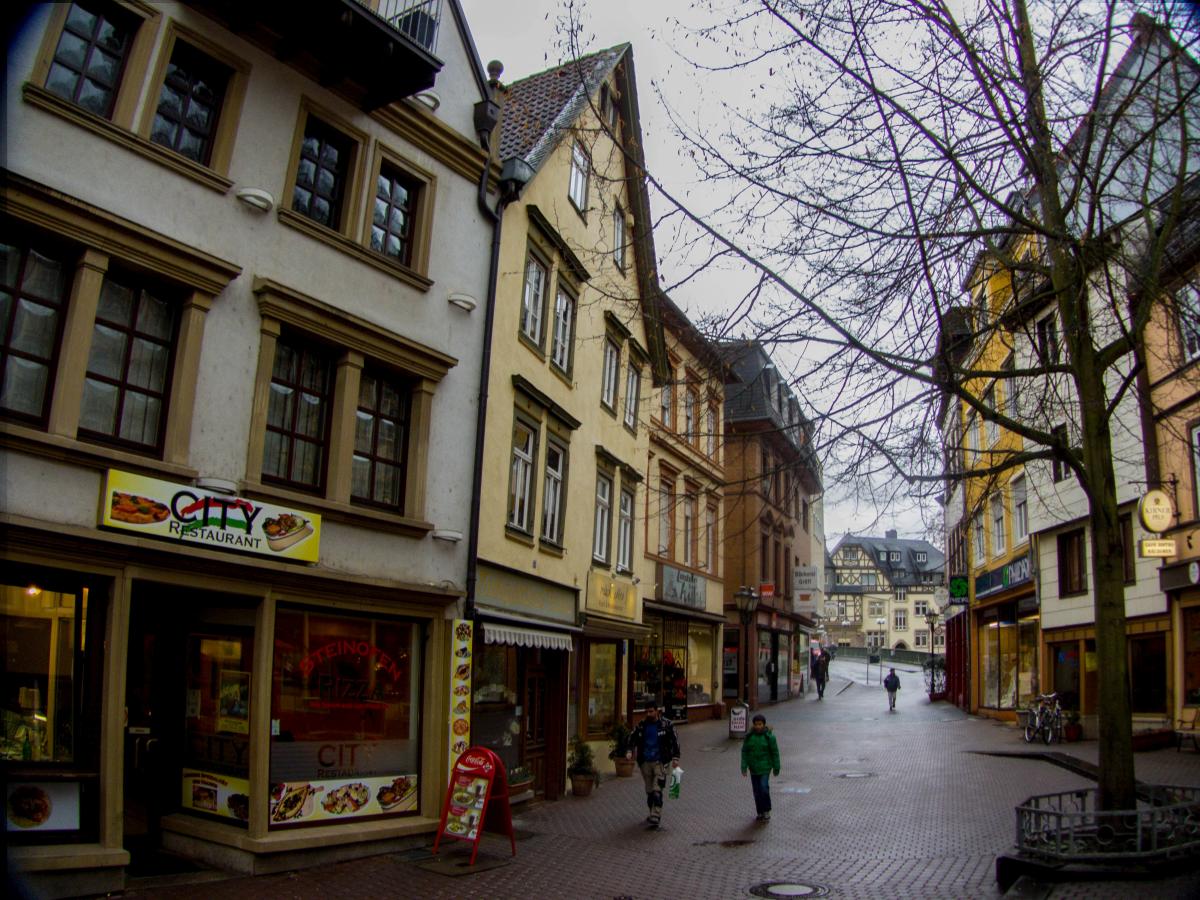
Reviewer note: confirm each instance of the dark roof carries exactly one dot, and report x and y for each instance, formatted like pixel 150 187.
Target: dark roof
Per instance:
pixel 541 108
pixel 907 569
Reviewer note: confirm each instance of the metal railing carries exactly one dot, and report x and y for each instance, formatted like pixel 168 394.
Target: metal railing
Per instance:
pixel 419 19
pixel 1067 827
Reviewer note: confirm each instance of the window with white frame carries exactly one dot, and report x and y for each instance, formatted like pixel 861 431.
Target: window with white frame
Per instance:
pixel 939 639
pixel 533 300
pixel 1020 506
pixel 625 532
pixel 689 415
pixel 869 579
pixel 689 530
pixel 633 390
pixel 564 323
pixel 900 618
pixel 552 492
pixel 993 429
pixel 920 607
pixel 883 556
pixel 666 519
pixel 969 439
pixel 710 539
pixel 999 538
pixel 577 190
pixel 977 529
pixel 612 366
pixel 875 609
pixel 920 638
pixel 666 400
pixel 619 237
pixel 895 554
pixel 520 477
pixel 710 426
pixel 922 556
pixel 602 524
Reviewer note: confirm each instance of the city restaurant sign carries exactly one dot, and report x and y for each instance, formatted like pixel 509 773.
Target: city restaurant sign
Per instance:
pixel 1008 575
pixel 181 512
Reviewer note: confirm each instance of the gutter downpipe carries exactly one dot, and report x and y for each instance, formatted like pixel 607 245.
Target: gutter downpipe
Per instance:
pixel 496 215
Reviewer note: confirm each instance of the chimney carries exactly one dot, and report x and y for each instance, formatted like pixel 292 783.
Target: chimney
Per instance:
pixel 890 534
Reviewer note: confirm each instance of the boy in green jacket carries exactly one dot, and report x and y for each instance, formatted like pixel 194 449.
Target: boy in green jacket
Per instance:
pixel 760 754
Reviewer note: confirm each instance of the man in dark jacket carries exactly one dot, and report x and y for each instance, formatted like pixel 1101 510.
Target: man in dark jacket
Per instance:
pixel 821 673
pixel 891 684
pixel 657 751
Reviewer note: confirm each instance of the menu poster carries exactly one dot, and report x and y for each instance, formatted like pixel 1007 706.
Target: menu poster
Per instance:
pixel 303 802
pixel 461 642
pixel 476 801
pixel 233 702
pixel 42 806
pixel 216 795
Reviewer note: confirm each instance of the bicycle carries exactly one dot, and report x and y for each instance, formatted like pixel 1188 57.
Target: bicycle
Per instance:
pixel 1045 719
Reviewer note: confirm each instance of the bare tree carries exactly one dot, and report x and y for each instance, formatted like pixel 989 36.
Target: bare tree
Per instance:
pixel 894 163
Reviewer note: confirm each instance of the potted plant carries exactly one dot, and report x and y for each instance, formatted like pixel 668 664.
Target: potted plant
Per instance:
pixel 618 748
pixel 1072 727
pixel 581 768
pixel 520 779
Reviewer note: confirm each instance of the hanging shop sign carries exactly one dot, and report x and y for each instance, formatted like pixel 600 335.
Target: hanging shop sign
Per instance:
pixel 462 640
pixel 476 801
pixel 805 578
pixel 1155 510
pixel 188 514
pixel 1156 547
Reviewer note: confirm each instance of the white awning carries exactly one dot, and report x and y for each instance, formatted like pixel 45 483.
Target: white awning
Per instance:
pixel 525 637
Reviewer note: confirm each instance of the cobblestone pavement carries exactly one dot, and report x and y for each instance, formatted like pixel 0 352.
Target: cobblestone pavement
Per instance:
pixel 869 804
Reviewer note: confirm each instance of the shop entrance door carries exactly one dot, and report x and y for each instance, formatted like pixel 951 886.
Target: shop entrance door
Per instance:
pixel 534 751
pixel 154 699
pixel 544 741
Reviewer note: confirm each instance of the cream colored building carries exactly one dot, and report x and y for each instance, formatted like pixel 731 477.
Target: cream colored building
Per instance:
pixel 577 347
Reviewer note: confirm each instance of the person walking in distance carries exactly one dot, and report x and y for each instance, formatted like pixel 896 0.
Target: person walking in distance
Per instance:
pixel 821 672
pixel 760 756
pixel 892 684
pixel 657 751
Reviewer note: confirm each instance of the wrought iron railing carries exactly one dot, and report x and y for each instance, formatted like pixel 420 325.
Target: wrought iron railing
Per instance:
pixel 1068 827
pixel 419 19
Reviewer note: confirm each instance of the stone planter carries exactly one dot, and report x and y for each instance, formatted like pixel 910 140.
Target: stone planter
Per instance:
pixel 581 785
pixel 624 767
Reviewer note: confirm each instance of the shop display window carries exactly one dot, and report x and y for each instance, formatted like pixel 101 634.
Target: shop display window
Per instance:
pixel 602 689
pixel 345 720
pixel 1191 656
pixel 496 715
pixel 1148 673
pixel 1027 639
pixel 647 667
pixel 701 680
pixel 674 669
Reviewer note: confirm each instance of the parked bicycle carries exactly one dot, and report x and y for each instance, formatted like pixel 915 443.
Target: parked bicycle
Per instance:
pixel 1045 719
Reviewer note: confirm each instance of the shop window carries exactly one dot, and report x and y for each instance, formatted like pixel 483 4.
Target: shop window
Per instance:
pixel 128 369
pixel 1148 673
pixel 298 417
pixel 33 298
pixel 601 689
pixel 647 666
pixel 674 669
pixel 1071 563
pixel 1065 674
pixel 496 720
pixel 1191 656
pixel 345 711
pixel 701 664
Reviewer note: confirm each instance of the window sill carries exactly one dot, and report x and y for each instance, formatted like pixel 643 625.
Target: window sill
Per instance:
pixel 361 516
pixel 55 105
pixel 521 537
pixel 564 375
pixel 552 549
pixel 339 241
pixel 93 456
pixel 531 345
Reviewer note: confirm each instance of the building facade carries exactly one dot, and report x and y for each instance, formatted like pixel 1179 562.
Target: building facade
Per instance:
pixel 237 415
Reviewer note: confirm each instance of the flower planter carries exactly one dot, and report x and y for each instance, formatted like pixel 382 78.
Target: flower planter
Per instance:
pixel 624 767
pixel 581 785
pixel 516 788
pixel 1072 731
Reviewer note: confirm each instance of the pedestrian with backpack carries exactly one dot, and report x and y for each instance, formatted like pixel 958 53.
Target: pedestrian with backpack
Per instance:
pixel 892 684
pixel 760 756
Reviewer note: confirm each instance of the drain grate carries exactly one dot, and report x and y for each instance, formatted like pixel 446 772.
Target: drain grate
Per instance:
pixel 855 775
pixel 789 889
pixel 737 842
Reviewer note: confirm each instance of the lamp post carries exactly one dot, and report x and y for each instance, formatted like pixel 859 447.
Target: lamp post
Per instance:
pixel 931 617
pixel 746 601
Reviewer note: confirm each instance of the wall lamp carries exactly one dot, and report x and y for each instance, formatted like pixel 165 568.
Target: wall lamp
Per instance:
pixel 464 302
pixel 256 198
pixel 449 535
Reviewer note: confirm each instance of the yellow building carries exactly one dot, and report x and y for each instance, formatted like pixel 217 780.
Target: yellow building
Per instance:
pixel 576 347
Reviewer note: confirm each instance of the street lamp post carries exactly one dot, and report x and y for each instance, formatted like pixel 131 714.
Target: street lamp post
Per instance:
pixel 931 617
pixel 746 601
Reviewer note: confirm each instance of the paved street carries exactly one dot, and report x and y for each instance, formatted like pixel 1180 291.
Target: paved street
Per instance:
pixel 870 804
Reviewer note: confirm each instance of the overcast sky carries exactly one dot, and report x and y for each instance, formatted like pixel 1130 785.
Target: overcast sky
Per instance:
pixel 526 37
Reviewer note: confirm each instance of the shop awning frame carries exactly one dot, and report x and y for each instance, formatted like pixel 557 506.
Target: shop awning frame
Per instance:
pixel 503 633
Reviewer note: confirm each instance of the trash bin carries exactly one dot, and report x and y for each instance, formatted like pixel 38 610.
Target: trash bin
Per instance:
pixel 739 720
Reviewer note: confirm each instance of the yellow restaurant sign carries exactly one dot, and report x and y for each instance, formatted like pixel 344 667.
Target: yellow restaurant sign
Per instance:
pixel 188 514
pixel 610 597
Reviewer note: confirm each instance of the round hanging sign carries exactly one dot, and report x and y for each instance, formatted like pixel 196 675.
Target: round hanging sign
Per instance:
pixel 1156 511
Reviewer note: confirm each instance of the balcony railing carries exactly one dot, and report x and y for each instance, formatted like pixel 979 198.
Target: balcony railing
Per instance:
pixel 418 19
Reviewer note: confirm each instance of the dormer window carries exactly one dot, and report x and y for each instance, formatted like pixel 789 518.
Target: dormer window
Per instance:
pixel 883 556
pixel 895 556
pixel 922 556
pixel 608 107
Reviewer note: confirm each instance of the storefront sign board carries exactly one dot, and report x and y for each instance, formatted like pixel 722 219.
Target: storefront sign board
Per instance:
pixel 42 806
pixel 339 799
pixel 153 508
pixel 805 578
pixel 216 795
pixel 684 588
pixel 1157 547
pixel 462 642
pixel 611 597
pixel 476 801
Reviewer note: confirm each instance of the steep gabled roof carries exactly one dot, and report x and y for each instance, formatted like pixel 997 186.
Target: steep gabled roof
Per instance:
pixel 908 568
pixel 540 109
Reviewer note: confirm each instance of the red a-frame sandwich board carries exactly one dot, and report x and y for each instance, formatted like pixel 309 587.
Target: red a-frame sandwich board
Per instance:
pixel 476 800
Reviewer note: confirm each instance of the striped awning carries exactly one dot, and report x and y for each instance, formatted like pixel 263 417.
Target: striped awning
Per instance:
pixel 494 633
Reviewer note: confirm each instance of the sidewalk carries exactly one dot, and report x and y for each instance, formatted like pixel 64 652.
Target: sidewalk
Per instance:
pixel 870 804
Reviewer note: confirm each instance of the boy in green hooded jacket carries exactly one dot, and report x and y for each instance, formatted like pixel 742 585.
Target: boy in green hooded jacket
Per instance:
pixel 760 755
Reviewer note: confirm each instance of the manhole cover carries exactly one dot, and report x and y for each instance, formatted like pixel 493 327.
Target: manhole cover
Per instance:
pixel 855 775
pixel 789 889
